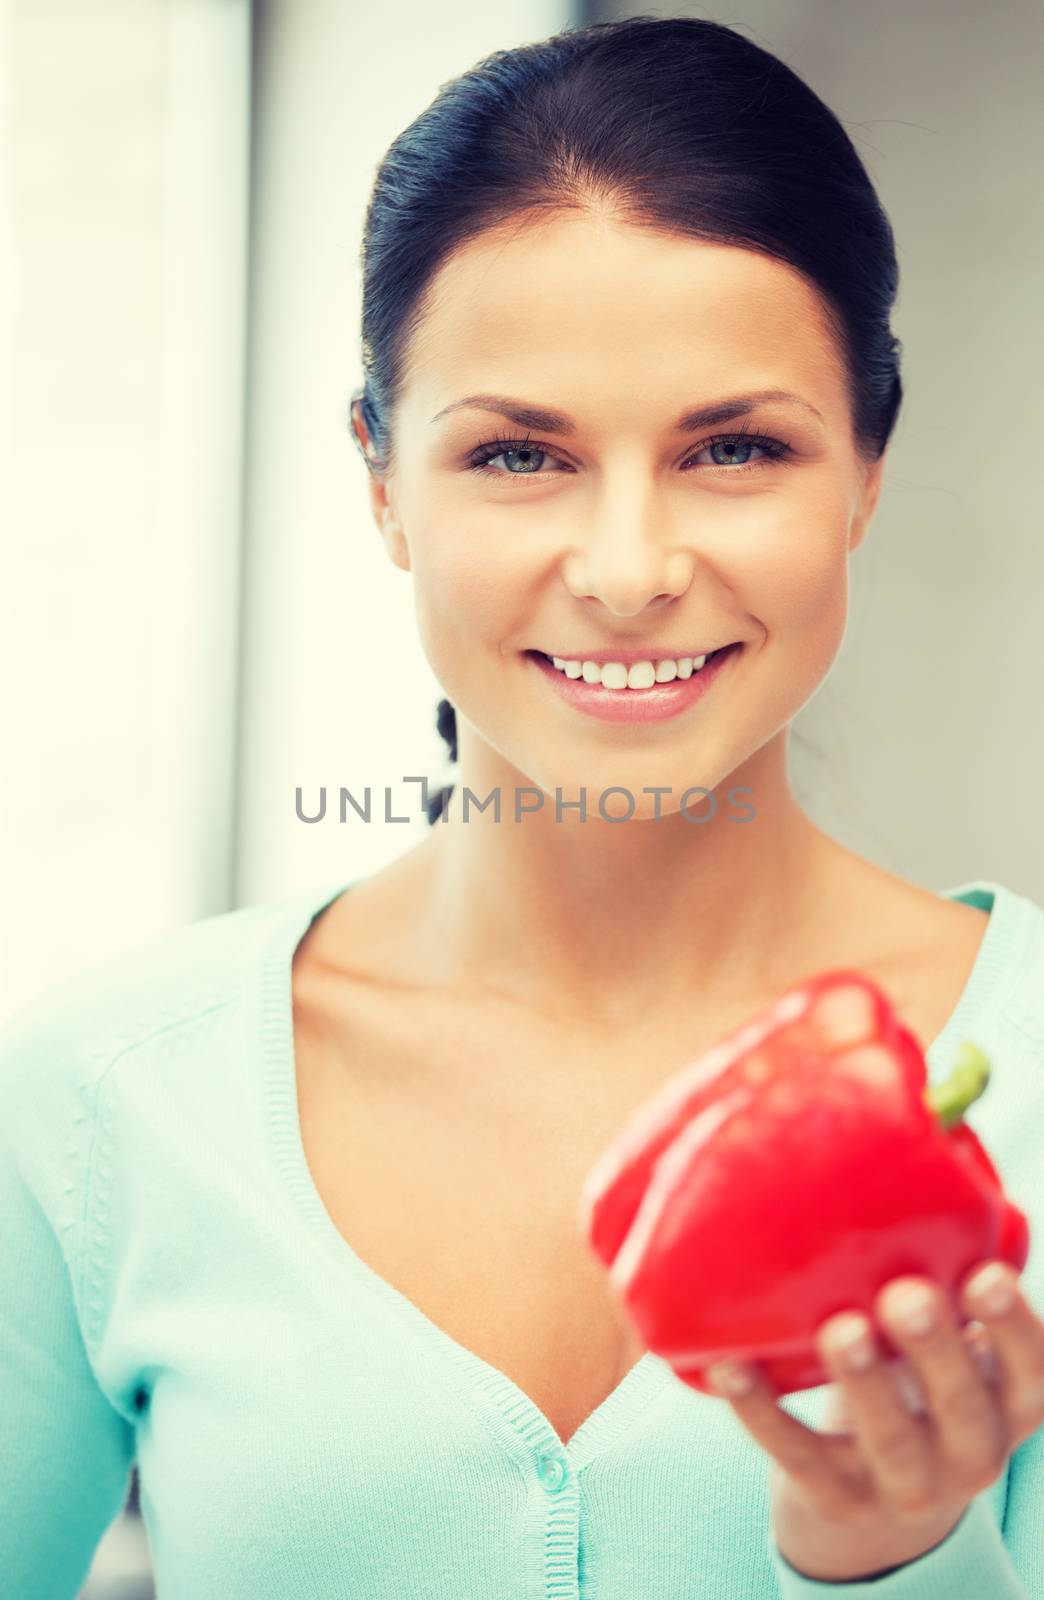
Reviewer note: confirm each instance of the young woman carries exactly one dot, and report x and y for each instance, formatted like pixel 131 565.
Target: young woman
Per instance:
pixel 291 1197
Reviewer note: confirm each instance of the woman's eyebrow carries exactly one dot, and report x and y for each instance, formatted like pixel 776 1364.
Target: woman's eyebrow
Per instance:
pixel 550 421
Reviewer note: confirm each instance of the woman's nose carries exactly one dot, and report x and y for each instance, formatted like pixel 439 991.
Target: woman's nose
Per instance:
pixel 627 568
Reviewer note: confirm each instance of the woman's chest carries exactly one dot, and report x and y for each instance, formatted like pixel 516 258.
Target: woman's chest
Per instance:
pixel 449 1152
pixel 462 1196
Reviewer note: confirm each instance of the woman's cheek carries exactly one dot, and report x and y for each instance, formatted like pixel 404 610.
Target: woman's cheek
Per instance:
pixel 798 581
pixel 463 589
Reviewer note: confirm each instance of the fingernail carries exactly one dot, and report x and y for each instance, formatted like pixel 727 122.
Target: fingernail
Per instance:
pixel 993 1289
pixel 851 1343
pixel 913 1310
pixel 732 1378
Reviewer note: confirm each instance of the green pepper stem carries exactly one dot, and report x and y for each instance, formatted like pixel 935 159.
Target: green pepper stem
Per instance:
pixel 951 1098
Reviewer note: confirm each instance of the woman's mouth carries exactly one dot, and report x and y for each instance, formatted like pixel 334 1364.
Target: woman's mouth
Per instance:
pixel 625 704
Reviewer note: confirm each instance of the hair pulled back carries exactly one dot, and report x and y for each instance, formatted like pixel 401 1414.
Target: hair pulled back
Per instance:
pixel 678 124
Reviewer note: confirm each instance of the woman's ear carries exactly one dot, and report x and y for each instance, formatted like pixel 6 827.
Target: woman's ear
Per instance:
pixel 394 538
pixel 358 426
pixel 866 502
pixel 381 500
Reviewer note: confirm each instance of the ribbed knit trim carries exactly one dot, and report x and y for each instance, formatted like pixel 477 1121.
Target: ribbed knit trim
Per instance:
pixel 993 973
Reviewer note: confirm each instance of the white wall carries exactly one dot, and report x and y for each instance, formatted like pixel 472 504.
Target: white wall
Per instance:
pixel 124 194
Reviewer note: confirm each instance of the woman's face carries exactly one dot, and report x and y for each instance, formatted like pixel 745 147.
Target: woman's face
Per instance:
pixel 616 530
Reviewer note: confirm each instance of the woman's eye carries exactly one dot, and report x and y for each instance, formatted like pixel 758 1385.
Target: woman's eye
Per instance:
pixel 528 455
pixel 731 454
pixel 732 448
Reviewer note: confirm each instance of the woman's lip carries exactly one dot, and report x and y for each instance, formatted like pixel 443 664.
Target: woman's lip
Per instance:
pixel 660 701
pixel 628 658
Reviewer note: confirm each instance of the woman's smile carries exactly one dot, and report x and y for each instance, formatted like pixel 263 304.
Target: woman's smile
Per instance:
pixel 621 703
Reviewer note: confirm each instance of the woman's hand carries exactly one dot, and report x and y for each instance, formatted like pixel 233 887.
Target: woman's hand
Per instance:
pixel 897 1479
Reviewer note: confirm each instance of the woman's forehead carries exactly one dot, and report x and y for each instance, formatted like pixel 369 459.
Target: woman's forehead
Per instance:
pixel 520 313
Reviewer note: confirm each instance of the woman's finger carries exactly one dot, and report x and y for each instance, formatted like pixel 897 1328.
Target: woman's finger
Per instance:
pixel 895 1443
pixel 982 1352
pixel 964 1413
pixel 1016 1336
pixel 803 1453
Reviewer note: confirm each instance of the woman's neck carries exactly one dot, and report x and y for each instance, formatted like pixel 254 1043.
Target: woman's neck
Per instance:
pixel 617 920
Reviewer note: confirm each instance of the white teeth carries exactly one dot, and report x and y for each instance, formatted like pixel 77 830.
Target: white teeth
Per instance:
pixel 640 675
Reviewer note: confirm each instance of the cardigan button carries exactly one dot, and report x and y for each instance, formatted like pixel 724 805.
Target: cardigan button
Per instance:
pixel 552 1473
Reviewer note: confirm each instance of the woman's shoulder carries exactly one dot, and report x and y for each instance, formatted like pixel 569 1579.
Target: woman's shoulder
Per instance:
pixel 1019 950
pixel 110 1077
pixel 988 927
pixel 77 1025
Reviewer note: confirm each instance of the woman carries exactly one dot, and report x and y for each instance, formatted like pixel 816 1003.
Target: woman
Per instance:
pixel 294 1193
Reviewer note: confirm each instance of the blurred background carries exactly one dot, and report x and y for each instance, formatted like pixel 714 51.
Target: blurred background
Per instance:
pixel 192 589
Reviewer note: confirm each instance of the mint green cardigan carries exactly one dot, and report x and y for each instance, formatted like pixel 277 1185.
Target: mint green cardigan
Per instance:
pixel 173 1291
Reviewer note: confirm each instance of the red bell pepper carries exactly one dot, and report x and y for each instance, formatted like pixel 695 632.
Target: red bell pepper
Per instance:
pixel 787 1174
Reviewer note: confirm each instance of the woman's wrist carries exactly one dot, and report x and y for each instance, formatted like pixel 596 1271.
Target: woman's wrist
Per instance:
pixel 849 1553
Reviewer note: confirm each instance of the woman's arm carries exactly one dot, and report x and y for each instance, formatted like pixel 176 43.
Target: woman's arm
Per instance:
pixel 65 1453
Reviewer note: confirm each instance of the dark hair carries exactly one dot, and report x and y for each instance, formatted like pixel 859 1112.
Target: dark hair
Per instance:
pixel 682 125
pixel 446 722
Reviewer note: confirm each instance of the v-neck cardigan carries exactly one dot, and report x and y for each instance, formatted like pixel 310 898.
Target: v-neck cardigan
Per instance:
pixel 173 1292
